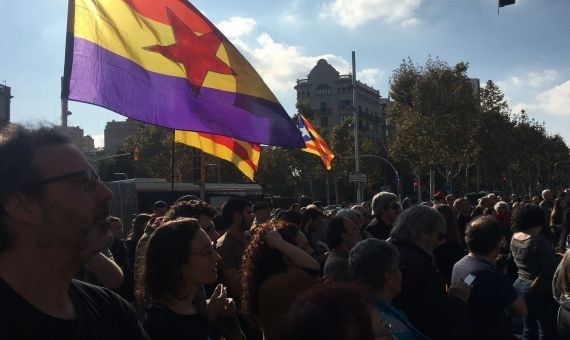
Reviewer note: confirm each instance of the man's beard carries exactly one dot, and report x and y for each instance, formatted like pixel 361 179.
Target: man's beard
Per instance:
pixel 75 237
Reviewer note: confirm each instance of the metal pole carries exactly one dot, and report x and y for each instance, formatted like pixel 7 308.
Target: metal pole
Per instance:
pixel 172 169
pixel 202 176
pixel 356 149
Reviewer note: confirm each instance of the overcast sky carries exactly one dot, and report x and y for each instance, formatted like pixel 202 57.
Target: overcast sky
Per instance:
pixel 525 49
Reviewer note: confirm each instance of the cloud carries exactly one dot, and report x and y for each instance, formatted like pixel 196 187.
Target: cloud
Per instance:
pixel 292 15
pixel 353 13
pixel 280 64
pixel 534 79
pixel 370 76
pixel 99 140
pixel 554 101
pixel 236 26
pixel 539 79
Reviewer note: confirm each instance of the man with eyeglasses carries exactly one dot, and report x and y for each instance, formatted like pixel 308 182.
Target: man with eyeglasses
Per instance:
pixel 386 209
pixel 53 211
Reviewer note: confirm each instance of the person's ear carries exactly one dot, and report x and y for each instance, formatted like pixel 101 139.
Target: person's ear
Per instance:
pixel 20 208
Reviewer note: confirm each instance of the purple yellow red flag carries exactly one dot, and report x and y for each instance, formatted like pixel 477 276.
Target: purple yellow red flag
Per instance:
pixel 164 63
pixel 244 155
pixel 314 143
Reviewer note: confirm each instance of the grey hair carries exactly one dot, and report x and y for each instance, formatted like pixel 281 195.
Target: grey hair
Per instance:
pixel 381 200
pixel 349 214
pixel 415 220
pixel 459 201
pixel 370 259
pixel 501 204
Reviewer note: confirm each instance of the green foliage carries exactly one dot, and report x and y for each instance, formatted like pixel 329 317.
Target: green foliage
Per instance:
pixel 435 115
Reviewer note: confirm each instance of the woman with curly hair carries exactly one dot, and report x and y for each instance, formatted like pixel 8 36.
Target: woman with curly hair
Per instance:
pixel 179 259
pixel 276 268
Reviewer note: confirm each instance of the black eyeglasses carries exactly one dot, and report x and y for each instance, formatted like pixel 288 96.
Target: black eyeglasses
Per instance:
pixel 89 179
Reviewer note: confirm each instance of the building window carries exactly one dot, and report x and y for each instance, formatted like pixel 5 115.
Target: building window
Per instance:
pixel 323 89
pixel 324 121
pixel 344 104
pixel 323 107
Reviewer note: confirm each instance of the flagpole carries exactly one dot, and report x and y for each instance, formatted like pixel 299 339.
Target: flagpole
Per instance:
pixel 69 42
pixel 202 176
pixel 172 168
pixel 356 149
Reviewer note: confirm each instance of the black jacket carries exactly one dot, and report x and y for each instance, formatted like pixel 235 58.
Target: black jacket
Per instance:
pixel 423 297
pixel 378 229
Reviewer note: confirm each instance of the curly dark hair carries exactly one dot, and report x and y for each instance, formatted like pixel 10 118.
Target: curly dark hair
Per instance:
pixel 166 252
pixel 527 216
pixel 260 261
pixel 193 208
pixel 335 311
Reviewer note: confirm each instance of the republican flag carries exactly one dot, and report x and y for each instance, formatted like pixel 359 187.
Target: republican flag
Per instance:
pixel 314 143
pixel 162 62
pixel 244 155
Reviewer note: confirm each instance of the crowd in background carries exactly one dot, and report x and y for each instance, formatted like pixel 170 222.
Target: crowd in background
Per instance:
pixel 382 269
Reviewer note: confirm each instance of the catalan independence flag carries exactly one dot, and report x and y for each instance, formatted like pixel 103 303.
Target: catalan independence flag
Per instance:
pixel 244 155
pixel 314 143
pixel 162 62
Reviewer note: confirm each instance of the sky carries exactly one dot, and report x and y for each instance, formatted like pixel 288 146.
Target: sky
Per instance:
pixel 525 49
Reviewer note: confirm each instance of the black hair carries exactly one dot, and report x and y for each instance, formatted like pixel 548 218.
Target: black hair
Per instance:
pixel 192 209
pixel 336 311
pixel 233 206
pixel 334 231
pixel 18 173
pixel 310 214
pixel 528 216
pixel 291 216
pixel 167 251
pixel 160 204
pixel 482 235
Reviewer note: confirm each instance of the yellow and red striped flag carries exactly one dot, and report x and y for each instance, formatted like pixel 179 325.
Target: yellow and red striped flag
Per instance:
pixel 244 155
pixel 314 143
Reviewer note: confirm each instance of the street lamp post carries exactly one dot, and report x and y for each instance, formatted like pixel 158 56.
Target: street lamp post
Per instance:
pixel 359 197
pixel 538 161
pixel 397 177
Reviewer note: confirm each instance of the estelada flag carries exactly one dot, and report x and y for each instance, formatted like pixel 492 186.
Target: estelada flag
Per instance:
pixel 314 143
pixel 244 155
pixel 162 62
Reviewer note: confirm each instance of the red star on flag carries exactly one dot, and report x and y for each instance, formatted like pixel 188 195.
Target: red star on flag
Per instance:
pixel 196 52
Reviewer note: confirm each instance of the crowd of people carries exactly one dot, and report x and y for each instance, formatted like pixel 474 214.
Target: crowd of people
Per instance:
pixel 383 269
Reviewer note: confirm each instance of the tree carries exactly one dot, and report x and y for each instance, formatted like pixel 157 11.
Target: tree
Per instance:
pixel 435 116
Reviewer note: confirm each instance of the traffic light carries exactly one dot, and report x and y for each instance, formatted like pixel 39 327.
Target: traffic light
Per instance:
pixel 415 184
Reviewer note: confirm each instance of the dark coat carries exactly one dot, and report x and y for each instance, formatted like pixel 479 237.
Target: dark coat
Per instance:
pixel 378 229
pixel 423 297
